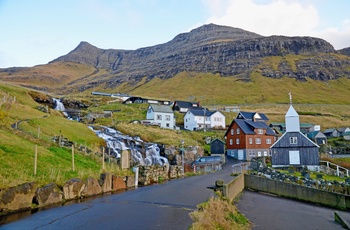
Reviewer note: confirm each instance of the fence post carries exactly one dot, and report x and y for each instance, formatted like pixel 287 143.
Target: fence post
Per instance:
pixel 35 159
pixel 73 166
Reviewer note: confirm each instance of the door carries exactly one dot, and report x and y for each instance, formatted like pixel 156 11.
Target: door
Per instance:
pixel 240 154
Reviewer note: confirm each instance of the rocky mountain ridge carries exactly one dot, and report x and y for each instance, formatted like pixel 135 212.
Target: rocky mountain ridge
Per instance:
pixel 214 49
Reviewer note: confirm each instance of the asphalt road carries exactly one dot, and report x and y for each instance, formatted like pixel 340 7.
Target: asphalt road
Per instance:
pixel 271 212
pixel 165 206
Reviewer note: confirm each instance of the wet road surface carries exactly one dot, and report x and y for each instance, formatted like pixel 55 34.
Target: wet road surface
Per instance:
pixel 271 212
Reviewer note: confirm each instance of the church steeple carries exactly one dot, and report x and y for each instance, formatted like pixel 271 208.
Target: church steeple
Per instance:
pixel 292 118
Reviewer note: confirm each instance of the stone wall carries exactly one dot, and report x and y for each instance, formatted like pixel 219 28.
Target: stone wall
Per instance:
pixel 157 174
pixel 29 195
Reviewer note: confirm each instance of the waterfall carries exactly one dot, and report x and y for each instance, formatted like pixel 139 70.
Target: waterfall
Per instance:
pixel 59 106
pixel 117 142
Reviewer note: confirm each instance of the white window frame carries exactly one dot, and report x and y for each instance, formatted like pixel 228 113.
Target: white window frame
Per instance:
pixel 250 140
pixel 260 131
pixel 237 141
pixel 258 141
pixel 268 141
pixel 159 117
pixel 293 140
pixel 232 132
pixel 238 131
pixel 231 141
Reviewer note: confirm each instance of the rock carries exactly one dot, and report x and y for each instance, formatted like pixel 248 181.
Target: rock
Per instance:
pixel 130 181
pixel 118 183
pixel 92 187
pixel 106 179
pixel 48 195
pixel 73 189
pixel 17 198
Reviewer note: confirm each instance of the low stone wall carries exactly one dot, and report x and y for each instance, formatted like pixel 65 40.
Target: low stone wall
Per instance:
pixel 232 189
pixel 298 192
pixel 29 195
pixel 156 173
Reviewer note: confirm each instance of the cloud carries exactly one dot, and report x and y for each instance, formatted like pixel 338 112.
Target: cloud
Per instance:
pixel 277 17
pixel 267 18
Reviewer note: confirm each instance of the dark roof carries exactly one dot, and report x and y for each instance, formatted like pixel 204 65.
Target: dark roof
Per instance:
pixel 200 112
pixel 314 134
pixel 161 108
pixel 186 104
pixel 248 126
pixel 329 130
pixel 250 115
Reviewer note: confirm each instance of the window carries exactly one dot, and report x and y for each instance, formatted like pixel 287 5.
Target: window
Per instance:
pixel 231 141
pixel 268 141
pixel 167 125
pixel 258 141
pixel 167 117
pixel 159 117
pixel 237 141
pixel 238 131
pixel 232 132
pixel 260 131
pixel 250 140
pixel 293 140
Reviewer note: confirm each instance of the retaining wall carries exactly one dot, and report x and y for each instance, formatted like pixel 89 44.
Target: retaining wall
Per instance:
pixel 298 192
pixel 233 188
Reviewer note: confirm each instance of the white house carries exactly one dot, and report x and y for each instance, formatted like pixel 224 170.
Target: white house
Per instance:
pixel 161 115
pixel 201 119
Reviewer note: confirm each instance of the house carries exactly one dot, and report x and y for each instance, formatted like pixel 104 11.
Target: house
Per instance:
pixel 161 115
pixel 305 128
pixel 249 136
pixel 346 136
pixel 217 148
pixel 331 133
pixel 140 100
pixel 195 119
pixel 343 130
pixel 184 106
pixel 318 137
pixel 293 148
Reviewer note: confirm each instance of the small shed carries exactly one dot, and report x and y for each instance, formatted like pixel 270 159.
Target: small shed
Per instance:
pixel 318 137
pixel 217 148
pixel 331 133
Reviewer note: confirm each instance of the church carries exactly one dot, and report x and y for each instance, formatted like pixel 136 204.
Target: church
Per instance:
pixel 293 148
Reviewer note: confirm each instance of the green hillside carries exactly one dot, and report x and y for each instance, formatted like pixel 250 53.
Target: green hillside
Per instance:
pixel 17 145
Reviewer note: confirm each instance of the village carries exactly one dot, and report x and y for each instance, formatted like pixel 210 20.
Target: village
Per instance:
pixel 251 134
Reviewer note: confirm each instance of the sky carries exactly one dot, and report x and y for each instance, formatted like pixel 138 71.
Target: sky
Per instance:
pixel 38 31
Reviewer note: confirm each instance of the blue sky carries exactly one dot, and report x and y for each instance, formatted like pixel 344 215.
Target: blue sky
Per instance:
pixel 37 31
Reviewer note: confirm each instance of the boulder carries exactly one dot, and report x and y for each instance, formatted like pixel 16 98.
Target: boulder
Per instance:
pixel 48 195
pixel 106 179
pixel 130 181
pixel 92 187
pixel 118 183
pixel 73 189
pixel 17 198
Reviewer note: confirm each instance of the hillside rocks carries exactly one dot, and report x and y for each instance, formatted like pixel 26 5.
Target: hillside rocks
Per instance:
pixel 48 195
pixel 17 198
pixel 210 49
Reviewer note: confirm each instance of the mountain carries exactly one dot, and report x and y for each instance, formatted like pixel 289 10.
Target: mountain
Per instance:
pixel 214 49
pixel 345 51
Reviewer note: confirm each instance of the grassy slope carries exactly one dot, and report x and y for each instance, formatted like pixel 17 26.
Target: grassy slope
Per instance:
pixel 17 145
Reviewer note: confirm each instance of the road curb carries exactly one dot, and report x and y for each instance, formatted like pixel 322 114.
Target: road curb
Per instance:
pixel 340 219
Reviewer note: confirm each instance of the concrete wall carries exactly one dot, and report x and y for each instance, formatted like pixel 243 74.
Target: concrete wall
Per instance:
pixel 234 187
pixel 298 192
